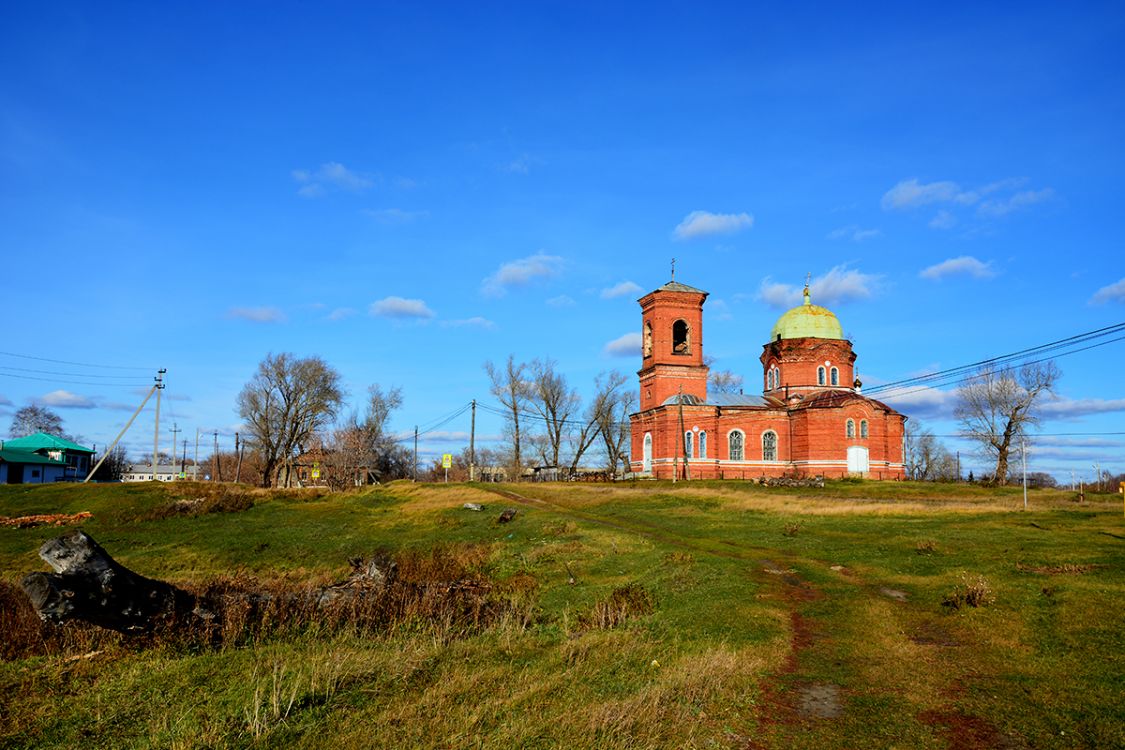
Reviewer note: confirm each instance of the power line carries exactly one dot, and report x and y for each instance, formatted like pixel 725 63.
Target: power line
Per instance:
pixel 56 372
pixel 76 364
pixel 955 373
pixel 56 381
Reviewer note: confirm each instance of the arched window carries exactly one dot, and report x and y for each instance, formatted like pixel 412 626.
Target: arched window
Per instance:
pixel 687 444
pixel 769 380
pixel 851 428
pixel 863 428
pixel 734 445
pixel 835 376
pixel 820 376
pixel 769 446
pixel 681 337
pixel 703 445
pixel 647 465
pixel 648 339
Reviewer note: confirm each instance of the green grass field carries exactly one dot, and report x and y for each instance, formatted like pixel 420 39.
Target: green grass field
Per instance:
pixel 768 618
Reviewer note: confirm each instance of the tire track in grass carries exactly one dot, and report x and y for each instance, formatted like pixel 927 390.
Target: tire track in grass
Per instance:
pixel 807 700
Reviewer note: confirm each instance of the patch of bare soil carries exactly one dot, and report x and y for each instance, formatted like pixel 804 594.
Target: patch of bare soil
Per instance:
pixel 898 596
pixel 965 732
pixel 819 701
pixel 933 634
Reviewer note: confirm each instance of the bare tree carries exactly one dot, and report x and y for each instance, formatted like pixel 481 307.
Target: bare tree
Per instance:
pixel 32 419
pixel 997 405
pixel 510 388
pixel 721 381
pixel 724 381
pixel 555 401
pixel 613 424
pixel 285 404
pixel 363 443
pixel 607 391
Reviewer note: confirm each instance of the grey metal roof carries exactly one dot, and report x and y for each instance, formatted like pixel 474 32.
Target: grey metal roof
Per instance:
pixel 718 399
pixel 675 286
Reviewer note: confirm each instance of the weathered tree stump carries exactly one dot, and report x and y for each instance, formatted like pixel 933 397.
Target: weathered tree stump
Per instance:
pixel 90 585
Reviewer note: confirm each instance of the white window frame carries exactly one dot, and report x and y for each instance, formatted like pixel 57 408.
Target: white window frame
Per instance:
pixel 820 376
pixel 703 444
pixel 849 428
pixel 834 378
pixel 689 444
pixel 764 457
pixel 741 447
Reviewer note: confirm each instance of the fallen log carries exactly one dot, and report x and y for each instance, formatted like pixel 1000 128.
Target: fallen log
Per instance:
pixel 90 585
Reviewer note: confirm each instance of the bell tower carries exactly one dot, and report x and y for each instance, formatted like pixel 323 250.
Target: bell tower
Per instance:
pixel 672 344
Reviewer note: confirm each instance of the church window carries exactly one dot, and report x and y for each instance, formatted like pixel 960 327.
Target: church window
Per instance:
pixel 647 455
pixel 769 380
pixel 835 376
pixel 820 376
pixel 863 428
pixel 769 446
pixel 648 340
pixel 851 428
pixel 703 445
pixel 681 338
pixel 735 445
pixel 687 444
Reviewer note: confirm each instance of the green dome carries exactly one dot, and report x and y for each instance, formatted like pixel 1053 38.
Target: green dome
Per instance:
pixel 807 321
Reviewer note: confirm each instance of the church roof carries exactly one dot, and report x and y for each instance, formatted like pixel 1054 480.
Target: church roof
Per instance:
pixel 675 286
pixel 837 398
pixel 807 321
pixel 720 399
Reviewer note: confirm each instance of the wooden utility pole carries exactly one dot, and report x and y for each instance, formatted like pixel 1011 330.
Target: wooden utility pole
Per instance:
pixel 217 468
pixel 117 439
pixel 183 461
pixel 175 435
pixel 238 450
pixel 156 427
pixel 415 453
pixel 473 443
pixel 683 437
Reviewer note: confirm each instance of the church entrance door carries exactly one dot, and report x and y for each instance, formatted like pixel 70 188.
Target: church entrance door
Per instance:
pixel 647 466
pixel 857 460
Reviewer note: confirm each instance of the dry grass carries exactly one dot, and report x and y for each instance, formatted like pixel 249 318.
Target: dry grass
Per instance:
pixel 623 604
pixel 1063 569
pixel 926 547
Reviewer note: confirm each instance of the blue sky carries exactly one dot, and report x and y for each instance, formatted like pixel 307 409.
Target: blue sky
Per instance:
pixel 409 191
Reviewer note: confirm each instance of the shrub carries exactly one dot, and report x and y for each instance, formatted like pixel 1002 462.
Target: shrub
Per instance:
pixel 926 547
pixel 971 592
pixel 792 529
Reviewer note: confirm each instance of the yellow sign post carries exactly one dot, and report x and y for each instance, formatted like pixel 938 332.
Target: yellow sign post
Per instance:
pixel 1121 486
pixel 446 462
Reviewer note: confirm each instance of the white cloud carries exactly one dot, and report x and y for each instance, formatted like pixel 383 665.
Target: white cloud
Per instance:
pixel 719 309
pixel 704 223
pixel 621 290
pixel 520 165
pixel 257 314
pixel 474 322
pixel 395 215
pixel 922 402
pixel 1075 442
pixel 912 193
pixel 341 313
pixel 854 233
pixel 331 174
pixel 1114 292
pixel 965 265
pixel 1067 408
pixel 943 220
pixel 561 301
pixel 67 400
pixel 399 307
pixel 1023 199
pixel 840 284
pixel 628 345
pixel 521 272
pixel 4 401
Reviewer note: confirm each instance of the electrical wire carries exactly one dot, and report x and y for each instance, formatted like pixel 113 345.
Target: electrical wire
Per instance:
pixel 76 364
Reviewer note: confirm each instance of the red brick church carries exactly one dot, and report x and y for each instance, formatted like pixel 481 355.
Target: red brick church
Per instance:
pixel 811 418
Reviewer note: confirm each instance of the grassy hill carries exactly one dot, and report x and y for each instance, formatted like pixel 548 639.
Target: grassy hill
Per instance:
pixel 648 615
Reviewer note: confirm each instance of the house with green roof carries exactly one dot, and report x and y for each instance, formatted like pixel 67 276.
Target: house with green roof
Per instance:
pixel 41 458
